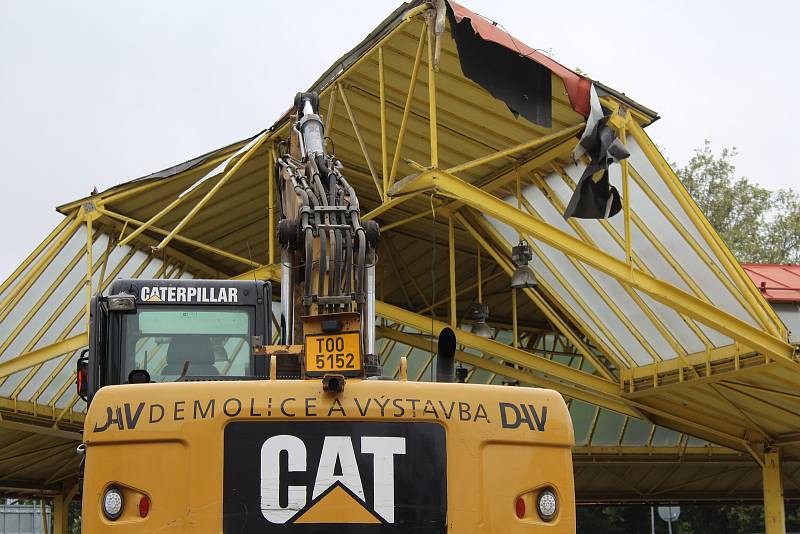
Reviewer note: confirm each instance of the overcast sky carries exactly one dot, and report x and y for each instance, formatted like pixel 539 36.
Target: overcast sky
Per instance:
pixel 96 92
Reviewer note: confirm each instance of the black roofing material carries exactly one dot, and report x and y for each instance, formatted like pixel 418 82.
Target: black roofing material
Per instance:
pixel 524 85
pixel 594 196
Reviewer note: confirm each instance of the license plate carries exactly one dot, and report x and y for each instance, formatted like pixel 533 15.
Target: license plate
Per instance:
pixel 333 353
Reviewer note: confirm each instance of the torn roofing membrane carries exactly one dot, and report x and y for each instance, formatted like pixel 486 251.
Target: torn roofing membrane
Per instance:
pixel 502 58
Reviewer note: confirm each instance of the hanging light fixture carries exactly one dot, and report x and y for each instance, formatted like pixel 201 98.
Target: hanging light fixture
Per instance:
pixel 523 276
pixel 481 311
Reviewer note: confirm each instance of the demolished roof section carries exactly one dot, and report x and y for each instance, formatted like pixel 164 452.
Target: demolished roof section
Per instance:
pixel 500 53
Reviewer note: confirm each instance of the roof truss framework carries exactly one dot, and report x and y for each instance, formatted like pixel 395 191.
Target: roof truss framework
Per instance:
pixel 642 320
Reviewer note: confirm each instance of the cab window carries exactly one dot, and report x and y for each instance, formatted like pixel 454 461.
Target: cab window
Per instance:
pixel 169 342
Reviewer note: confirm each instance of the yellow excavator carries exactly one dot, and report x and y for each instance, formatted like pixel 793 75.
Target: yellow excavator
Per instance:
pixel 196 423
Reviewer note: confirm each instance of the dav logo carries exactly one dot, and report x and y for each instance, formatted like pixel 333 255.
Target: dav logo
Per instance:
pixel 304 477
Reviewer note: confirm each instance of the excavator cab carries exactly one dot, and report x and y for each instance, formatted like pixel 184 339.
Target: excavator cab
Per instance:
pixel 176 330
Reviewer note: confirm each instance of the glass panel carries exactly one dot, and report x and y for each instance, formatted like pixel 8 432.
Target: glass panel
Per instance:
pixel 582 415
pixel 480 376
pixel 608 428
pixel 664 437
pixel 193 322
pixel 637 433
pixel 563 359
pixel 208 341
pixel 418 365
pixel 697 442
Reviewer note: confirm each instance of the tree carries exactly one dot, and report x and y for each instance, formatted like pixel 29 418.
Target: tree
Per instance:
pixel 759 225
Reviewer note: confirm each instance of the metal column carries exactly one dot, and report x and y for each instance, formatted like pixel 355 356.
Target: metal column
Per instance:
pixel 774 513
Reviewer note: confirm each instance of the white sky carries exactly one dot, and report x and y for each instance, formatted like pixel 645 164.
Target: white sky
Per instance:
pixel 94 92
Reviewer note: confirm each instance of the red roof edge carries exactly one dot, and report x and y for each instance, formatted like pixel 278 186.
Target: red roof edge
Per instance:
pixel 776 282
pixel 577 86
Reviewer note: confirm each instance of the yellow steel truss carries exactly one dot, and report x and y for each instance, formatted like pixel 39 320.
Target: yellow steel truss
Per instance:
pixel 449 185
pixel 746 390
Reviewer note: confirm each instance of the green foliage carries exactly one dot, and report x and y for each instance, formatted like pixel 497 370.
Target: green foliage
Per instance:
pixel 74 521
pixel 759 225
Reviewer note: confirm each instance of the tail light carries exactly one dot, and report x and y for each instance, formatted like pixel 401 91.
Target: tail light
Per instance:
pixel 547 504
pixel 544 501
pixel 113 504
pixel 520 507
pixel 82 375
pixel 144 506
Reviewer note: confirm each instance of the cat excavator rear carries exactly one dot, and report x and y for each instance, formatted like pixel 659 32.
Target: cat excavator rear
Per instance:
pixel 197 423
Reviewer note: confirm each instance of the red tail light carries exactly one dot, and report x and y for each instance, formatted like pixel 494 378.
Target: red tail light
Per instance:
pixel 520 506
pixel 144 506
pixel 82 375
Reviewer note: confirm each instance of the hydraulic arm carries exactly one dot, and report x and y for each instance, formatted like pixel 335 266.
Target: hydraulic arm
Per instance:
pixel 328 254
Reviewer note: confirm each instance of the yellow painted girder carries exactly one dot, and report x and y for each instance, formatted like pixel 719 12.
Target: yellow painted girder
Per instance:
pixel 535 143
pixel 35 357
pixel 497 368
pixel 505 352
pixel 551 313
pixel 661 291
pixel 188 241
pixel 211 192
pixel 265 272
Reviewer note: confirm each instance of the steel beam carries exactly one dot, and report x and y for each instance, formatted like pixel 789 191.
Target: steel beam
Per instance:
pixel 211 192
pixel 29 359
pixel 384 146
pixel 265 272
pixel 434 138
pixel 271 185
pixel 427 344
pixel 386 206
pixel 535 143
pixel 562 372
pixel 360 140
pixel 412 84
pixel 661 291
pixel 451 237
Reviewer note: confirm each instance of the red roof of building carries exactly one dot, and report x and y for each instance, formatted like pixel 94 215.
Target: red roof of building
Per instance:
pixel 776 282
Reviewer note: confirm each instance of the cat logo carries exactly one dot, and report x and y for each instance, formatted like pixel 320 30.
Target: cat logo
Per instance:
pixel 336 498
pixel 300 477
